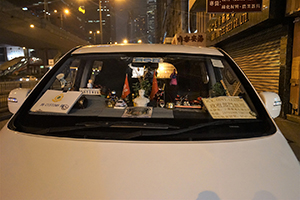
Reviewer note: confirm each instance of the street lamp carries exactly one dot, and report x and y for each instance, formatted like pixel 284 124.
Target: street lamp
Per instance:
pixel 94 34
pixel 66 12
pixel 100 19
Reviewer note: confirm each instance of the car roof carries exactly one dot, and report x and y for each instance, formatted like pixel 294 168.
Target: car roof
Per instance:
pixel 158 48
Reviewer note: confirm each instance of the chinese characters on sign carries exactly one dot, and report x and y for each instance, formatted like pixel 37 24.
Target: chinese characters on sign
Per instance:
pixel 223 6
pixel 193 39
pixel 225 107
pixel 225 23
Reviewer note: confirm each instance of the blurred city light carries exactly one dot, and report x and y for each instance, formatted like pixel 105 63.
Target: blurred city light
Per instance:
pixel 66 11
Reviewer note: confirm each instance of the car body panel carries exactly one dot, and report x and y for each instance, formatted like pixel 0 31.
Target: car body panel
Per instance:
pixel 36 166
pixel 61 168
pixel 147 48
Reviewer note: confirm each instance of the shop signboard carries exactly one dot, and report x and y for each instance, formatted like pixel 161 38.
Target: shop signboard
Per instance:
pixel 223 25
pixel 14 52
pixel 229 6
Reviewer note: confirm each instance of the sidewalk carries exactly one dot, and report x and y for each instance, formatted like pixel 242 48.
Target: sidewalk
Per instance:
pixel 291 131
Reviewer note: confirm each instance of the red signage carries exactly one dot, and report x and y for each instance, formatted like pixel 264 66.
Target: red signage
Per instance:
pixel 225 6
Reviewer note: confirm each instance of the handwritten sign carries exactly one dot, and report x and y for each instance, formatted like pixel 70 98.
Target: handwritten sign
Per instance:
pixel 225 107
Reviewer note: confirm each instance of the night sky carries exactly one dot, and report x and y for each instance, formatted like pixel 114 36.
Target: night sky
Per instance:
pixel 123 7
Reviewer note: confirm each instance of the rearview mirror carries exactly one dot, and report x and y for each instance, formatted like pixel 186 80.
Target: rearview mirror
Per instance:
pixel 272 103
pixel 16 98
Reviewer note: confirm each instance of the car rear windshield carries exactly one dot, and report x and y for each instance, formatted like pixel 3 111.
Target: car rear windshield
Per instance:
pixel 145 96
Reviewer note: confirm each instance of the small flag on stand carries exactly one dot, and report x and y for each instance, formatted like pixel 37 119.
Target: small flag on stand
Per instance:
pixel 154 87
pixel 126 89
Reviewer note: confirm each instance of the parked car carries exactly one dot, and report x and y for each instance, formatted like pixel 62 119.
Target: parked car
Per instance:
pixel 28 78
pixel 67 141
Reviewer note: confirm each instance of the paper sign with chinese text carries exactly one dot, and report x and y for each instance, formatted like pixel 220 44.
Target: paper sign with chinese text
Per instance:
pixel 226 107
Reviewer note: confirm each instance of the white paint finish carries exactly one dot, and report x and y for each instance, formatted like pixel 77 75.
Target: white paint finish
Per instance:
pixel 37 167
pixel 156 48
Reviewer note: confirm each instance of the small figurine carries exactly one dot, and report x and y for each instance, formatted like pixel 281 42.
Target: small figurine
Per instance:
pixel 141 101
pixel 90 84
pixel 173 77
pixel 120 104
pixel 112 99
pixel 178 100
pixel 113 96
pixel 61 78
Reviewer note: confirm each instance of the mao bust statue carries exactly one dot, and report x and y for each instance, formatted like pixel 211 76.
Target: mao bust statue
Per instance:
pixel 141 101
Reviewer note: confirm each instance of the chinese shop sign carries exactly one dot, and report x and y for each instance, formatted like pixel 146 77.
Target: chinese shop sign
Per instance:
pixel 224 6
pixel 192 39
pixel 226 23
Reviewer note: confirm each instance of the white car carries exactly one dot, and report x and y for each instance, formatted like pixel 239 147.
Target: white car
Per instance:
pixel 227 147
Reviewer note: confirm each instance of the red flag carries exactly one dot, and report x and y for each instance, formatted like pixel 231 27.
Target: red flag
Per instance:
pixel 126 89
pixel 154 87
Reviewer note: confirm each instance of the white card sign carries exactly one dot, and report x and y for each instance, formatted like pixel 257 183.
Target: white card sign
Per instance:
pixel 56 101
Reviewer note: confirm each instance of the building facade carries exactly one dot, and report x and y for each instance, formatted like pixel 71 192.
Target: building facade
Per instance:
pixel 293 12
pixel 151 21
pixel 137 28
pixel 93 25
pixel 172 19
pixel 265 44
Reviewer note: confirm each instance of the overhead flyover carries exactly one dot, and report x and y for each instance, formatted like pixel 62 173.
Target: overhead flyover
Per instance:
pixel 15 30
